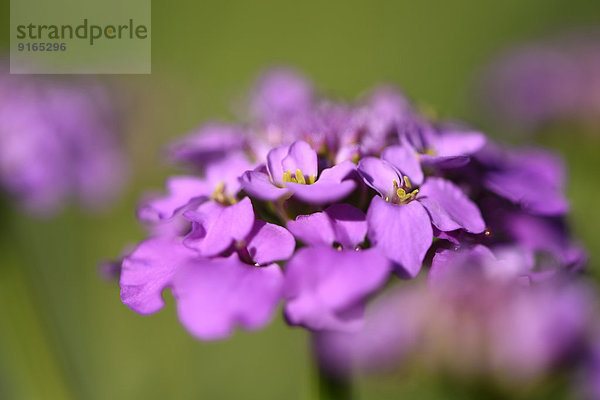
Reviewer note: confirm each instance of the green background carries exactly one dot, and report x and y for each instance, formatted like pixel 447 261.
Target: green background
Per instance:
pixel 64 332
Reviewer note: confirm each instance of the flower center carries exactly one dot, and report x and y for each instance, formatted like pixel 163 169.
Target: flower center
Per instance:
pixel 298 177
pixel 403 194
pixel 220 196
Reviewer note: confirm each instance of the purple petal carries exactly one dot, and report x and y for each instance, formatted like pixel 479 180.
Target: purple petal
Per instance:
pixel 314 229
pixel 449 207
pixel 322 193
pixel 301 156
pixel 275 164
pixel 504 263
pixel 209 143
pixel 227 171
pixel 523 190
pixel 405 159
pixel 148 270
pixel 214 296
pixel 446 162
pixel 533 179
pixel 458 143
pixel 349 224
pixel 280 94
pixel 402 232
pixel 330 186
pixel 215 228
pixel 182 192
pixel 341 223
pixel 379 174
pixel 322 283
pixel 257 184
pixel 448 266
pixel 267 243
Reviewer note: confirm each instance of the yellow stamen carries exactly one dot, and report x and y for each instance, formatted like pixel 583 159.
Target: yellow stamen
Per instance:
pixel 311 179
pixel 300 177
pixel 287 176
pixel 407 182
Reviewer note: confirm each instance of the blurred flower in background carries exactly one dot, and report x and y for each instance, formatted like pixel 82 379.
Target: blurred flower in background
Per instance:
pixel 554 80
pixel 58 143
pixel 472 325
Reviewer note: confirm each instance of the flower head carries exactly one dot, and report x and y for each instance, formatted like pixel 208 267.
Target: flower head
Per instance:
pixel 315 203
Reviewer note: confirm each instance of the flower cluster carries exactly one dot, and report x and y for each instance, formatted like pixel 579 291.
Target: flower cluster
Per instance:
pixel 472 321
pixel 317 204
pixel 58 142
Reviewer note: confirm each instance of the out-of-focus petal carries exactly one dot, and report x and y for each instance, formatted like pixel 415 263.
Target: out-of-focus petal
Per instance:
pixel 449 207
pixel 182 192
pixel 458 143
pixel 280 94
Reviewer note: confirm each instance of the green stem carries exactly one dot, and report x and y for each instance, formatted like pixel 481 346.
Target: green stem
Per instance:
pixel 330 385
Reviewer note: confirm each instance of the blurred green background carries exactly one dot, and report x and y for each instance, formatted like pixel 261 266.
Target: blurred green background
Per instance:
pixel 63 331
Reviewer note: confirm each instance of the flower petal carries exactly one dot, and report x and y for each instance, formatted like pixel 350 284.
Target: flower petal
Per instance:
pixel 404 158
pixel 213 296
pixel 313 229
pixel 280 94
pixel 275 164
pixel 209 143
pixel 322 283
pixel 267 243
pixel 216 227
pixel 323 192
pixel 301 156
pixel 349 224
pixel 182 192
pixel 258 185
pixel 458 143
pixel 379 174
pixel 333 185
pixel 449 207
pixel 341 223
pixel 445 162
pixel 402 232
pixel 148 270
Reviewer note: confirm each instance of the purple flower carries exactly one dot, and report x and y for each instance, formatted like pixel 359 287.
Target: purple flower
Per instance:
pixel 448 148
pixel 472 324
pixel 220 184
pixel 539 83
pixel 213 294
pixel 326 283
pixel 293 171
pixel 400 220
pixel 58 142
pixel 281 95
pixel 533 179
pixel 210 143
